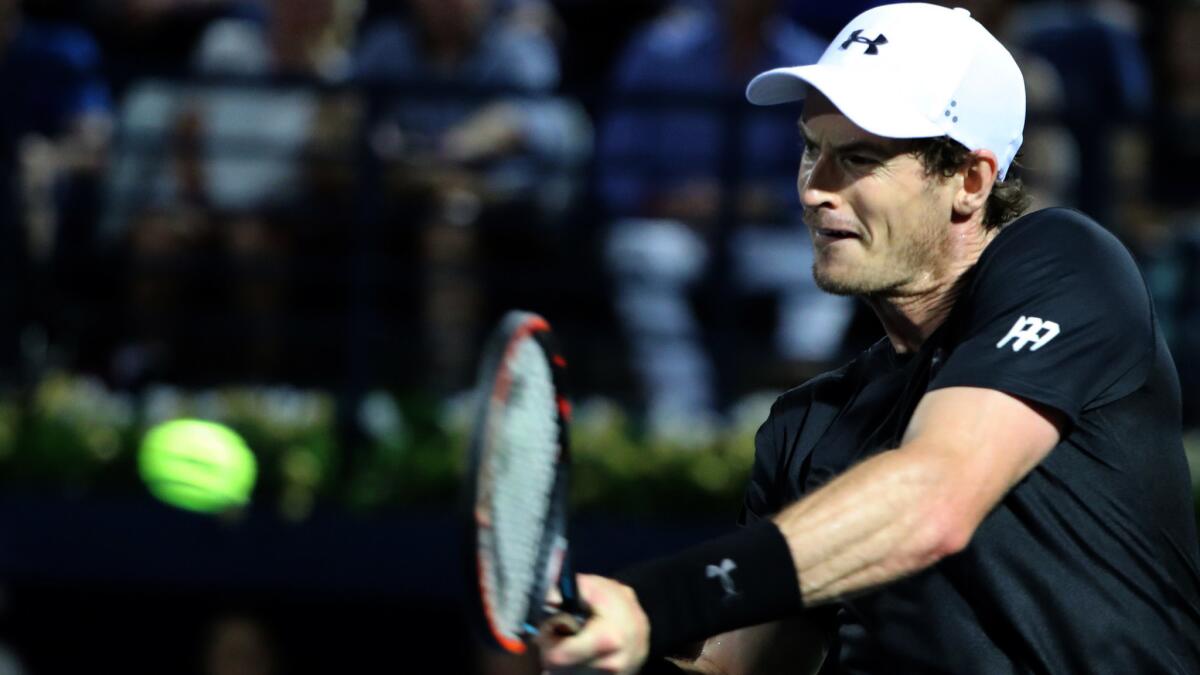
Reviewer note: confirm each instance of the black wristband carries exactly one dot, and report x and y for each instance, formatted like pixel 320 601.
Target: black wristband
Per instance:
pixel 741 579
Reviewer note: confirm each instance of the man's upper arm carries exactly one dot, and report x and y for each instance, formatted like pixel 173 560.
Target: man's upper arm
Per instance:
pixel 1059 322
pixel 984 441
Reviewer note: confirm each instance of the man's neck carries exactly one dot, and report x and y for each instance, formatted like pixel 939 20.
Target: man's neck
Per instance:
pixel 911 315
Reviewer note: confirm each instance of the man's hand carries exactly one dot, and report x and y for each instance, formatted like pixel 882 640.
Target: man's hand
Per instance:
pixel 615 640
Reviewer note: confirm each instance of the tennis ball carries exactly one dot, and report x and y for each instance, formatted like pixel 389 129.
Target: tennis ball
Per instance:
pixel 197 465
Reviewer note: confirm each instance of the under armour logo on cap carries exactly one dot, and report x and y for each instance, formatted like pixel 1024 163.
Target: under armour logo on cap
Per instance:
pixel 899 84
pixel 872 45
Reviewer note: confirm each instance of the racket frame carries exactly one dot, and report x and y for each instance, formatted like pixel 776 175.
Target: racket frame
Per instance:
pixel 553 563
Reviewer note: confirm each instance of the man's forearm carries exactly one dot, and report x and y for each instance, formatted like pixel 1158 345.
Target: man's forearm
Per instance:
pixel 880 521
pixel 901 511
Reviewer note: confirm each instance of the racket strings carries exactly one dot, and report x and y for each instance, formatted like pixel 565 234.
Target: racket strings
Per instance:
pixel 523 455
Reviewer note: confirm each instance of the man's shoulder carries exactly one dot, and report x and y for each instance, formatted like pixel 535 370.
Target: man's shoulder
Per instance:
pixel 1056 228
pixel 1063 239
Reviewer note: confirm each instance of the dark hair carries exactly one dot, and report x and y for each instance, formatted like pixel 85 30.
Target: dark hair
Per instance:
pixel 944 156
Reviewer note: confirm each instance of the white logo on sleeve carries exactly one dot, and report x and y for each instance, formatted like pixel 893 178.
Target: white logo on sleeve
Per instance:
pixel 1029 329
pixel 723 573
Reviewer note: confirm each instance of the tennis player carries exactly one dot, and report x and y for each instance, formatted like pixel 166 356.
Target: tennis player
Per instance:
pixel 999 485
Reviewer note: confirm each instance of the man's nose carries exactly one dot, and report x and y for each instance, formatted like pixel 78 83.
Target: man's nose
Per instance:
pixel 818 185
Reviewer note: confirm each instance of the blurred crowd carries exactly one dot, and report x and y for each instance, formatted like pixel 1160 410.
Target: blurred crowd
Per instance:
pixel 348 192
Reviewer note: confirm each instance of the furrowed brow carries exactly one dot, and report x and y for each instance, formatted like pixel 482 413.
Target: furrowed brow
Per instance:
pixel 886 148
pixel 865 147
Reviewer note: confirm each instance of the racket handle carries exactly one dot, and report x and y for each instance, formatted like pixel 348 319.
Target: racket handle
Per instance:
pixel 569 617
pixel 565 624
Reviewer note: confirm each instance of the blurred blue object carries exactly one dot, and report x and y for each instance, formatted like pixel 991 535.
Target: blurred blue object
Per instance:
pixel 51 74
pixel 827 18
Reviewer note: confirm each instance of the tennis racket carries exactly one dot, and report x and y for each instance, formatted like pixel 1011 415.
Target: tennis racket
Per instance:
pixel 516 489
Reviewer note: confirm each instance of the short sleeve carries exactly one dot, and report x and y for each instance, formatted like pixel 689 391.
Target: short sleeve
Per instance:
pixel 785 442
pixel 760 500
pixel 1057 313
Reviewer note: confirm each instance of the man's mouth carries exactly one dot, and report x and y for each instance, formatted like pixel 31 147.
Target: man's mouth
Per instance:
pixel 832 233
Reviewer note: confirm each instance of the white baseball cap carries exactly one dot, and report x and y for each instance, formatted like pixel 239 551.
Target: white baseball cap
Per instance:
pixel 914 70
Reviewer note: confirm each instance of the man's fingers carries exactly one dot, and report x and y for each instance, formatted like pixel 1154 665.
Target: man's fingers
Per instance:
pixel 613 639
pixel 562 625
pixel 553 596
pixel 581 649
pixel 589 585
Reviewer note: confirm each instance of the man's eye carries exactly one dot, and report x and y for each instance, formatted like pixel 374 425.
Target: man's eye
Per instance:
pixel 858 160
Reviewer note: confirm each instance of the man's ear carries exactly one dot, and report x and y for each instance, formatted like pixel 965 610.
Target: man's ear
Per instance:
pixel 978 177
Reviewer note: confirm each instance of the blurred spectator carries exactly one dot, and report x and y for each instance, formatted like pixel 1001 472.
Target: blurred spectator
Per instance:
pixel 537 16
pixel 598 29
pixel 670 174
pixel 1169 254
pixel 141 38
pixel 251 135
pixel 827 18
pixel 540 16
pixel 1049 159
pixel 54 133
pixel 254 138
pixel 1087 76
pixel 1176 128
pixel 471 142
pixel 225 167
pixel 1162 204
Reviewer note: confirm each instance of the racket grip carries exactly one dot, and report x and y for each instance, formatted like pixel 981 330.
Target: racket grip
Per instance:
pixel 564 624
pixel 569 617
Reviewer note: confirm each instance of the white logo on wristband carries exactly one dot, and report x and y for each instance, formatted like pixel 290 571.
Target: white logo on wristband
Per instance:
pixel 723 571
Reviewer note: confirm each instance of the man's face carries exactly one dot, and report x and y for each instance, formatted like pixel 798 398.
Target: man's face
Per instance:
pixel 879 224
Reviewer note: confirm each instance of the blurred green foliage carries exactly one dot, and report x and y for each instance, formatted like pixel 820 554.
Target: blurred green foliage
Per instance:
pixel 72 435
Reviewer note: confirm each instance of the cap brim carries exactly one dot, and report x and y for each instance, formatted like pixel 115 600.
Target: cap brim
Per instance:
pixel 867 101
pixel 780 85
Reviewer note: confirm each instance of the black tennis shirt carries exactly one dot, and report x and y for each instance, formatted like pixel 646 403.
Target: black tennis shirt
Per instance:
pixel 1091 563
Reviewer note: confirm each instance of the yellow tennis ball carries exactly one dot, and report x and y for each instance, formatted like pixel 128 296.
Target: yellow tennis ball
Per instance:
pixel 197 465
